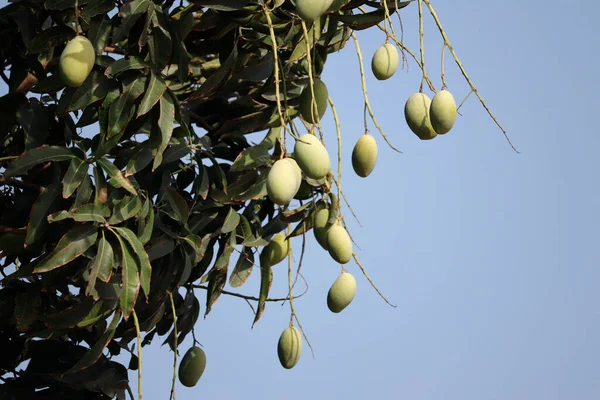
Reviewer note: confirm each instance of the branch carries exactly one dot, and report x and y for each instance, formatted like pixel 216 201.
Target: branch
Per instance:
pixel 7 229
pixel 21 184
pixel 242 296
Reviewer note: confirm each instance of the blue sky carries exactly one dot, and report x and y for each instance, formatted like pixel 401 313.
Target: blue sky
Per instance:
pixel 490 255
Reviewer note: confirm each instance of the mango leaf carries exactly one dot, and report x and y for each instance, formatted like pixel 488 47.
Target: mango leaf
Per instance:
pixel 140 159
pixel 363 21
pixel 90 213
pixel 314 33
pixel 97 7
pixel 71 316
pixel 197 245
pixel 266 279
pixel 243 268
pixel 39 212
pixel 101 192
pixel 256 191
pixel 146 225
pixel 117 176
pixel 178 204
pixel 46 38
pixel 159 46
pixel 96 351
pixel 130 278
pixel 165 125
pixel 123 65
pixel 26 308
pixel 160 247
pixel 59 216
pixel 94 88
pixel 217 277
pixel 101 265
pixel 84 192
pixel 145 269
pixel 215 81
pixel 154 91
pixel 101 310
pixel 99 33
pixel 125 209
pixel 36 156
pixel 176 152
pixel 73 244
pixel 252 157
pixel 74 176
pixel 119 115
pixel 231 221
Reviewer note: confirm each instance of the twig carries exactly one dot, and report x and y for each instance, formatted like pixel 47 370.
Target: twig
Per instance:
pixel 175 344
pixel 364 88
pixel 339 146
pixel 241 296
pixel 421 44
pixel 464 73
pixel 7 229
pixel 370 281
pixel 139 350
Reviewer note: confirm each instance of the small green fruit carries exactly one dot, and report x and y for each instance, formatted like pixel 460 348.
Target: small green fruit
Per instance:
pixel 321 96
pixel 309 10
pixel 192 366
pixel 364 155
pixel 276 251
pixel 339 244
pixel 385 62
pixel 321 227
pixel 289 348
pixel 312 156
pixel 282 182
pixel 416 112
pixel 341 293
pixel 442 112
pixel 76 61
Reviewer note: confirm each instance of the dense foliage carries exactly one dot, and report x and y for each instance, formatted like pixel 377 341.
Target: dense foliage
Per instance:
pixel 101 234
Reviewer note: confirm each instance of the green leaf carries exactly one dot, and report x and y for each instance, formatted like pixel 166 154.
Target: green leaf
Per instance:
pixel 74 176
pixel 159 46
pixel 243 268
pixel 198 245
pixel 178 204
pixel 99 33
pixel 101 310
pixel 34 120
pixel 36 156
pixel 97 7
pixel 256 191
pixel 176 152
pixel 160 247
pixel 146 226
pixel 217 277
pixel 91 213
pixel 130 279
pixel 231 221
pixel 26 308
pixel 71 316
pixel 101 192
pixel 125 209
pixel 73 244
pixel 123 65
pixel 61 4
pixel 94 88
pixel 165 124
pixel 145 269
pixel 266 279
pixel 117 176
pixel 38 219
pixel 140 158
pixel 119 115
pixel 130 13
pixel 215 81
pixel 96 351
pixel 59 216
pixel 46 38
pixel 154 91
pixel 101 265
pixel 84 192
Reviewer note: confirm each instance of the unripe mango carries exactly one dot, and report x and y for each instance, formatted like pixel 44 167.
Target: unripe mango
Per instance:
pixel 309 10
pixel 385 62
pixel 416 112
pixel 289 347
pixel 312 156
pixel 276 251
pixel 76 61
pixel 296 168
pixel 282 182
pixel 192 366
pixel 321 227
pixel 341 293
pixel 339 244
pixel 321 96
pixel 442 112
pixel 364 155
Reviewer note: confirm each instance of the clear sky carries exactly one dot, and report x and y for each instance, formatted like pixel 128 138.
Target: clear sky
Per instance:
pixel 488 254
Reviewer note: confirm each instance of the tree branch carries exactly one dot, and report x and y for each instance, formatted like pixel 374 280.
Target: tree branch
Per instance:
pixel 242 296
